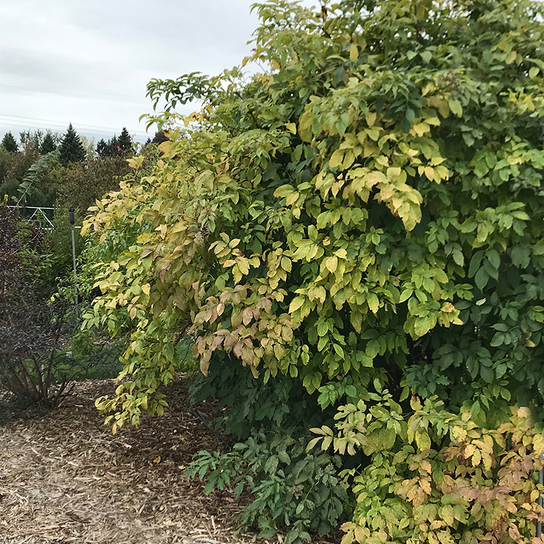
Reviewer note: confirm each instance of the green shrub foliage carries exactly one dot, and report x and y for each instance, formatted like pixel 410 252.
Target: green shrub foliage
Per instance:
pixel 291 489
pixel 365 218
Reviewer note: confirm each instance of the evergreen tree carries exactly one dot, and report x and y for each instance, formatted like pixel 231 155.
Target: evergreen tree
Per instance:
pixel 113 147
pixel 71 148
pixel 101 148
pixel 9 143
pixel 125 141
pixel 48 144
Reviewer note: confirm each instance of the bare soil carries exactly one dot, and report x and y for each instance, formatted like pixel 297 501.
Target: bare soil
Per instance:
pixel 64 478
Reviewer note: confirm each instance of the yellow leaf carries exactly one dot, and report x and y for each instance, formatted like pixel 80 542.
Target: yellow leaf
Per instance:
pixel 430 86
pixel 426 486
pixel 415 403
pixel 373 302
pixel 443 108
pixel 146 288
pixel 420 129
pixel 360 535
pixel 337 158
pixel 353 52
pixel 136 162
pixel 429 173
pixel 157 459
pixel 291 127
pixel 331 263
pixel 296 303
pixel 423 440
pixel 459 434
pixel 375 177
pixel 426 466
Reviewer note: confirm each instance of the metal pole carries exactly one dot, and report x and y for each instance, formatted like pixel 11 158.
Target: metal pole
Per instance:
pixel 541 482
pixel 72 222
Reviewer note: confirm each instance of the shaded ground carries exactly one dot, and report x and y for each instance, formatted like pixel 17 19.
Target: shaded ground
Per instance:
pixel 65 478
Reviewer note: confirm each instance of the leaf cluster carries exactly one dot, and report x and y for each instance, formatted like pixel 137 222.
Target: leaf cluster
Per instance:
pixel 293 492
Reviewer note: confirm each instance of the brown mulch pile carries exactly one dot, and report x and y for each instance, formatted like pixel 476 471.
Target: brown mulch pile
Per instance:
pixel 65 478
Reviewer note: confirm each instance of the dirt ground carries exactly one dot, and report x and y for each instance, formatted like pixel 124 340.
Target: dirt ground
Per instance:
pixel 64 478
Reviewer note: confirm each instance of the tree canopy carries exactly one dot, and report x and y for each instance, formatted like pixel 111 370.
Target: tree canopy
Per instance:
pixel 9 143
pixel 71 149
pixel 365 217
pixel 48 145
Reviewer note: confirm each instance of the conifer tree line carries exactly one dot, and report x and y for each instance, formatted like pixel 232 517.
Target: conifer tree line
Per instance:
pixel 77 174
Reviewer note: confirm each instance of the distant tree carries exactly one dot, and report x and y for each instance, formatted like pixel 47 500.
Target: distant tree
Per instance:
pixel 89 146
pixel 9 143
pixel 84 184
pixel 23 181
pixel 31 138
pixel 113 147
pixel 101 148
pixel 108 149
pixel 5 161
pixel 125 141
pixel 21 162
pixel 71 148
pixel 48 144
pixel 159 138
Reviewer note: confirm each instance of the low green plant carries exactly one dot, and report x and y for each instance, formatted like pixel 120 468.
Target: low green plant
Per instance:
pixel 293 492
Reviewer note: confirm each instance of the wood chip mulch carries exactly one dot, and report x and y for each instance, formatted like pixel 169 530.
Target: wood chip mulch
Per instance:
pixel 64 478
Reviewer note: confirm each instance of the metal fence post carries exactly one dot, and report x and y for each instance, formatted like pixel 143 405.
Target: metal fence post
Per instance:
pixel 72 222
pixel 541 482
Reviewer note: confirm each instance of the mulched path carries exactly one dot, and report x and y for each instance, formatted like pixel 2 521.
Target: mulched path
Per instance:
pixel 64 478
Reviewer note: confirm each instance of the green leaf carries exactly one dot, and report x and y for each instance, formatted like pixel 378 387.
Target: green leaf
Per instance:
pixel 521 256
pixel 379 440
pixel 487 374
pixel 481 278
pixel 494 258
pixel 351 391
pixel 339 74
pixel 426 56
pixel 455 107
pixel 497 340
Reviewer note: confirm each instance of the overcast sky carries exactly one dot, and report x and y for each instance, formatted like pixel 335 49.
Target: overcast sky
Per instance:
pixel 88 61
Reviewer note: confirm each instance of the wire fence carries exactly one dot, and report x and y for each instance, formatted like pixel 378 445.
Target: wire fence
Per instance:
pixel 42 215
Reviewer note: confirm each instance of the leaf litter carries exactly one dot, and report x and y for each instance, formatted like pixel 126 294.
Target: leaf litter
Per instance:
pixel 65 478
